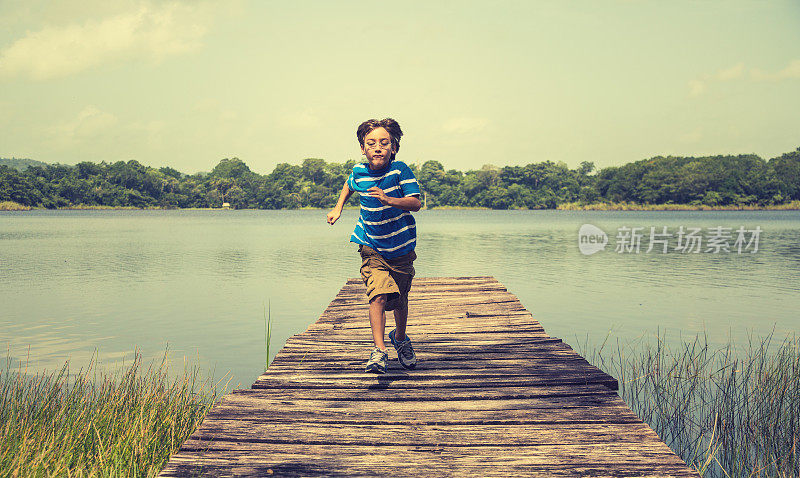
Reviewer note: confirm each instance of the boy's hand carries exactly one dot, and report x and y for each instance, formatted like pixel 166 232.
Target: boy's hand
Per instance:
pixel 333 216
pixel 378 193
pixel 408 203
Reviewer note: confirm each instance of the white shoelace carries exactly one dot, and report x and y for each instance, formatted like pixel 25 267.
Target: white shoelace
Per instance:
pixel 376 355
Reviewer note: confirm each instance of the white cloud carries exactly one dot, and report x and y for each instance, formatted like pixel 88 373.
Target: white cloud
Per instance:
pixel 790 72
pixel 94 135
pixel 89 122
pixel 152 133
pixel 737 72
pixel 698 85
pixel 731 73
pixel 464 125
pixel 147 32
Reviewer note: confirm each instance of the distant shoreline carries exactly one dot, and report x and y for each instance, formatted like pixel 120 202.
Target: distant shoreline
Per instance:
pixel 791 206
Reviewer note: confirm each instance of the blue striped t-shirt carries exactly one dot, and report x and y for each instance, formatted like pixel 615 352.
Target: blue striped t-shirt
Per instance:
pixel 392 232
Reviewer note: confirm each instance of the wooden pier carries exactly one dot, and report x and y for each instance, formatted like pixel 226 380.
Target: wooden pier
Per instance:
pixel 492 395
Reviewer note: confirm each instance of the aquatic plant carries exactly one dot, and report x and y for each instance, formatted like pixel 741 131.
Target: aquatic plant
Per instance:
pixel 267 331
pixel 726 410
pixel 13 206
pixel 97 423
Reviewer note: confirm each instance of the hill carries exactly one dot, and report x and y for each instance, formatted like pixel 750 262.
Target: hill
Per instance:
pixel 20 164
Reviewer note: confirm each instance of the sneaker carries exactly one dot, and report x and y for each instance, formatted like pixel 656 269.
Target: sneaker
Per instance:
pixel 377 361
pixel 405 352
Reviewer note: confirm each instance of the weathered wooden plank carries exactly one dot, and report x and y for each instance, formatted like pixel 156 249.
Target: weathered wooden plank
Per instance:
pixel 425 293
pixel 522 345
pixel 426 394
pixel 426 323
pixel 422 304
pixel 619 453
pixel 422 338
pixel 539 367
pixel 212 458
pixel 441 323
pixel 432 315
pixel 434 321
pixel 452 434
pixel 444 313
pixel 399 380
pixel 554 417
pixel 496 366
pixel 445 297
pixel 530 346
pixel 430 304
pixel 436 316
pixel 450 341
pixel 447 410
pixel 419 292
pixel 358 354
pixel 294 357
pixel 433 281
pixel 358 284
pixel 430 280
pixel 467 330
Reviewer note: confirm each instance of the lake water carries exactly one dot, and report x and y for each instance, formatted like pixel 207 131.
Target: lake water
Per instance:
pixel 75 281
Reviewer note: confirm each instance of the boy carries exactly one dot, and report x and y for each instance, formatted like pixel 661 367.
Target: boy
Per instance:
pixel 386 235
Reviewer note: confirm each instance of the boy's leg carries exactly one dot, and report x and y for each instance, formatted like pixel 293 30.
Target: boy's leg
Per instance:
pixel 377 320
pixel 400 321
pixel 403 282
pixel 401 341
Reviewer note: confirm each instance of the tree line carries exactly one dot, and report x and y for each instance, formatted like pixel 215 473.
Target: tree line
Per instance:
pixel 712 180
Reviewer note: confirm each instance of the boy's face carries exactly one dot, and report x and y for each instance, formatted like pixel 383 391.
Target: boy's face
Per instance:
pixel 378 148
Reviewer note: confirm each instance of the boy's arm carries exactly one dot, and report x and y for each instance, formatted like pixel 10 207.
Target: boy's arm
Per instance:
pixel 408 187
pixel 337 209
pixel 408 203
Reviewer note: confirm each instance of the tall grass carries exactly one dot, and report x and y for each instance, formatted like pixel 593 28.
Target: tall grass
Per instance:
pixel 13 206
pixel 727 411
pixel 125 423
pixel 267 331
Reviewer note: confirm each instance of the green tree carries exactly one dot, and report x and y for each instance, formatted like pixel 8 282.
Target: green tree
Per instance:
pixel 233 168
pixel 585 168
pixel 173 173
pixel 314 170
pixel 787 173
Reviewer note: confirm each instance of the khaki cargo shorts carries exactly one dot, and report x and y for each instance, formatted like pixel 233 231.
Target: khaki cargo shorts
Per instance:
pixel 387 276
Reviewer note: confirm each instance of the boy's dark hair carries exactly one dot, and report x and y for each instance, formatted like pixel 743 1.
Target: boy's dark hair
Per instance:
pixel 391 126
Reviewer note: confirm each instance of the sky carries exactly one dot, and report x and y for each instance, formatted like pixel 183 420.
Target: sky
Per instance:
pixel 187 83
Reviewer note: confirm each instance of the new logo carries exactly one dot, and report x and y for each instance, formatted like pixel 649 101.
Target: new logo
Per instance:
pixel 591 239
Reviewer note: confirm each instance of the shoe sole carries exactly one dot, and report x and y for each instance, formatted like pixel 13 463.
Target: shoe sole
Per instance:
pixel 375 369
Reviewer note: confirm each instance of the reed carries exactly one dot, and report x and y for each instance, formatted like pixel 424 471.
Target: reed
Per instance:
pixel 97 423
pixel 267 331
pixel 13 206
pixel 728 411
